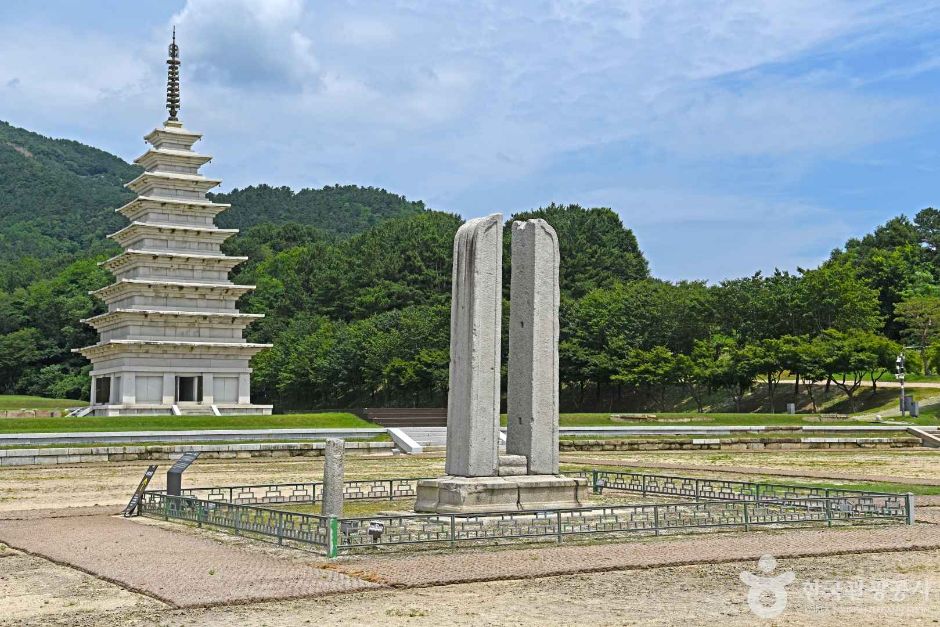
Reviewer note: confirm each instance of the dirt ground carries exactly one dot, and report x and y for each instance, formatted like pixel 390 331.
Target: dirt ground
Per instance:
pixel 863 589
pixel 866 589
pixel 914 464
pixel 32 487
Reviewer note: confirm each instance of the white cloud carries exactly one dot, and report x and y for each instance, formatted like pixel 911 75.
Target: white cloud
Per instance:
pixel 248 43
pixel 483 105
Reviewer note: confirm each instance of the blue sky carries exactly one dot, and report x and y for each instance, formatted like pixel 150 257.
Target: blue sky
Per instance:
pixel 730 136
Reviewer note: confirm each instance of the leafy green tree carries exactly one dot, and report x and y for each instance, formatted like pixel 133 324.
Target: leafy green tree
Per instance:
pixel 765 358
pixel 596 249
pixel 810 362
pixel 834 297
pixel 20 349
pixel 920 320
pixel 689 373
pixel 722 366
pixel 848 357
pixel 653 370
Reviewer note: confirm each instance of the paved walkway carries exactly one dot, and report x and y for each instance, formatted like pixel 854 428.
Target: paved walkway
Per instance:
pixel 185 567
pixel 182 568
pixel 881 384
pixel 474 565
pixel 750 470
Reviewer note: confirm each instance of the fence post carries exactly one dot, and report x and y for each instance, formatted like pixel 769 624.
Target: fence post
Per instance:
pixel 391 489
pixel 594 481
pixel 655 514
pixel 644 484
pixel 333 548
pixel 909 506
pixel 199 514
pixel 313 492
pixel 747 522
pixel 279 527
pixel 238 519
pixel 558 523
pixel 697 491
pixel 166 507
pixel 828 509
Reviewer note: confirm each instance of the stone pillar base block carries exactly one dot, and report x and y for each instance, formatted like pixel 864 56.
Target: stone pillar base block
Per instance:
pixel 460 495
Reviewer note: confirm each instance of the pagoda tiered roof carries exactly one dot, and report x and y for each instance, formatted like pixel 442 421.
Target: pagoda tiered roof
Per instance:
pixel 132 258
pixel 168 156
pixel 174 180
pixel 144 204
pixel 111 347
pixel 135 231
pixel 124 287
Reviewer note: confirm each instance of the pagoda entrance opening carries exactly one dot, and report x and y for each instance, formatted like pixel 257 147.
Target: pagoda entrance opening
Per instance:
pixel 103 390
pixel 188 389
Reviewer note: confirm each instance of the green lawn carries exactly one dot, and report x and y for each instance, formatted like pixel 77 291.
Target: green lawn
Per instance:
pixel 722 420
pixel 12 401
pixel 860 433
pixel 175 423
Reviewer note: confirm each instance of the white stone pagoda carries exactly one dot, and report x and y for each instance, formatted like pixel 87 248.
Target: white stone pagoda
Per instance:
pixel 171 340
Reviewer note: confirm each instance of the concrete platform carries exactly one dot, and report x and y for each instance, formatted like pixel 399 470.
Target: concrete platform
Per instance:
pixel 457 495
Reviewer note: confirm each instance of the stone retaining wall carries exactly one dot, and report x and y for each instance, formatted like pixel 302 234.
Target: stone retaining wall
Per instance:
pixel 738 444
pixel 50 456
pixel 30 413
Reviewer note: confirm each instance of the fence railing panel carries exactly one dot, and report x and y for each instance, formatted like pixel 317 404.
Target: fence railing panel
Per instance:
pixel 705 504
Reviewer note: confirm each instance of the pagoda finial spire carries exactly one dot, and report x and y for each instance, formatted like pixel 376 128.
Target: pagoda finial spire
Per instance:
pixel 173 79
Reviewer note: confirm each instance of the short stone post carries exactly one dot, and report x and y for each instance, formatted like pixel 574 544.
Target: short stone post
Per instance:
pixel 532 398
pixel 333 456
pixel 475 327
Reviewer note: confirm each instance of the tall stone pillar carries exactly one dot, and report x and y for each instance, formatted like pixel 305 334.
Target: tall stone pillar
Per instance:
pixel 532 397
pixel 475 322
pixel 169 388
pixel 244 389
pixel 334 455
pixel 129 388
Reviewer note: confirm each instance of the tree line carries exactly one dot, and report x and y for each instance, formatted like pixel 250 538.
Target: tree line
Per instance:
pixel 364 319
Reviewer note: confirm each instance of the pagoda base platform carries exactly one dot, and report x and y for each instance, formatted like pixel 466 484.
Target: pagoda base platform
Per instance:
pixel 458 495
pixel 225 409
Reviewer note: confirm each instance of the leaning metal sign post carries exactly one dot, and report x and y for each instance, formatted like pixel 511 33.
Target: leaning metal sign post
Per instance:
pixel 139 492
pixel 174 476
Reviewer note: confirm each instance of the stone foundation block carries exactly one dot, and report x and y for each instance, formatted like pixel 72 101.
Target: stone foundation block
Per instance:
pixel 456 495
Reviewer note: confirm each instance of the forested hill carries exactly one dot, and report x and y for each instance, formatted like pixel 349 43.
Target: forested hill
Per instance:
pixel 56 197
pixel 355 287
pixel 340 209
pixel 57 201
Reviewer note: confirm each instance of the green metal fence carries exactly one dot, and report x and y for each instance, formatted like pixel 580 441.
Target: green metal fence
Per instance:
pixel 714 504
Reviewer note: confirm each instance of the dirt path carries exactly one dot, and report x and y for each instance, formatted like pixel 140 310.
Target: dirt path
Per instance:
pixel 881 384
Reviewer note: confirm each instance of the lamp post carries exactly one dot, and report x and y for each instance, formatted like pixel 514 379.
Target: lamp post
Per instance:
pixel 899 375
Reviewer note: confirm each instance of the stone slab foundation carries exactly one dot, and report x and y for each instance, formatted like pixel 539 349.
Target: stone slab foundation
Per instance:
pixel 102 454
pixel 457 495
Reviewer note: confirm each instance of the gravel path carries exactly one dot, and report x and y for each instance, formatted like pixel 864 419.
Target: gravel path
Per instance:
pixel 182 568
